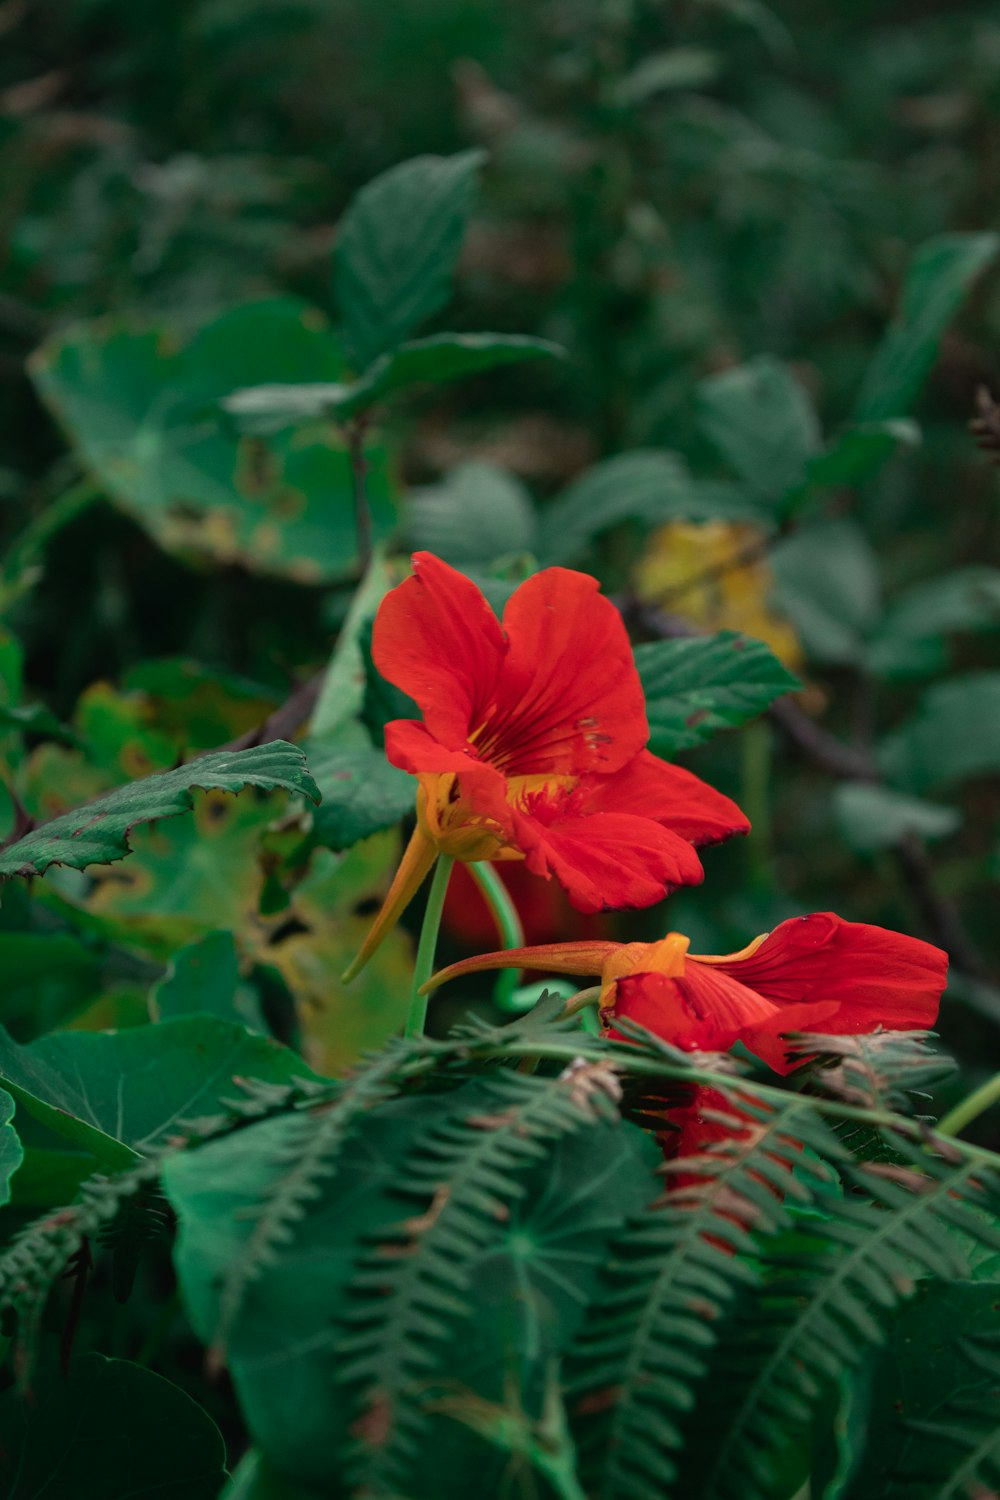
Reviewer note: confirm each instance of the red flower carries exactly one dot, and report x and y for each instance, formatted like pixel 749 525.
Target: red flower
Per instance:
pixel 816 973
pixel 532 743
pixel 542 906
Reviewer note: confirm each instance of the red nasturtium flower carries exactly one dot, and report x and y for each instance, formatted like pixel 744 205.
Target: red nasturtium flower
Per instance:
pixel 532 744
pixel 816 973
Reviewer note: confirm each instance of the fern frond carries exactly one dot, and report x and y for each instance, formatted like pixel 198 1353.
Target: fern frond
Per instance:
pixel 36 1258
pixel 309 1156
pixel 464 1175
pixel 826 1306
pixel 644 1345
pixel 886 1071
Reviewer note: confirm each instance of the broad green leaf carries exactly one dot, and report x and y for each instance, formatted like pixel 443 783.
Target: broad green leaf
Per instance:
pixel 107 1430
pixel 872 817
pixel 929 1376
pixel 763 423
pixel 938 278
pixel 11 1151
pixel 431 361
pixel 440 359
pixel 99 832
pixel 699 685
pixel 646 485
pixel 531 1286
pixel 362 793
pixel 201 706
pixel 186 877
pixel 476 514
pixel 827 583
pixel 48 977
pixel 396 249
pixel 911 639
pixel 311 943
pixel 859 453
pixel 204 978
pixel 121 1094
pixel 144 417
pixel 954 734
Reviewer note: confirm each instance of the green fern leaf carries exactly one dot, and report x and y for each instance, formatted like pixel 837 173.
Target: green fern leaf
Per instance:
pixel 644 1346
pixel 831 1290
pixel 464 1175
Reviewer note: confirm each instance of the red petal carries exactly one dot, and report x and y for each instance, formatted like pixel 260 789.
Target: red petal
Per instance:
pixel 410 745
pixel 569 699
pixel 608 860
pixel 705 1011
pixel 436 638
pixel 874 977
pixel 671 796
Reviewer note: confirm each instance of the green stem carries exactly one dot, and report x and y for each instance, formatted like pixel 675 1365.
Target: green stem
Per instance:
pixel 971 1107
pixel 504 913
pixel 424 967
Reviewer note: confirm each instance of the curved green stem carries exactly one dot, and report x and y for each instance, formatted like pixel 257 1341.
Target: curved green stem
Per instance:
pixel 504 912
pixel 971 1107
pixel 424 966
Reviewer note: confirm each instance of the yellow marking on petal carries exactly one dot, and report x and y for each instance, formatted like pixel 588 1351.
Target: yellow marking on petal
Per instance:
pixel 417 860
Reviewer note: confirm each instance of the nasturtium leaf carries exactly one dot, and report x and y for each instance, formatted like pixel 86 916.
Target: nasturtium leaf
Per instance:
pixel 872 817
pixel 396 249
pixel 699 685
pixel 200 706
pixel 283 1351
pixel 937 280
pixel 647 485
pixel 826 581
pixel 912 637
pixel 186 877
pixel 145 418
pixel 204 978
pixel 763 423
pixel 47 978
pixel 107 1430
pixel 954 734
pixel 362 793
pixel 476 514
pixel 99 832
pixel 311 943
pixel 938 1370
pixel 121 1094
